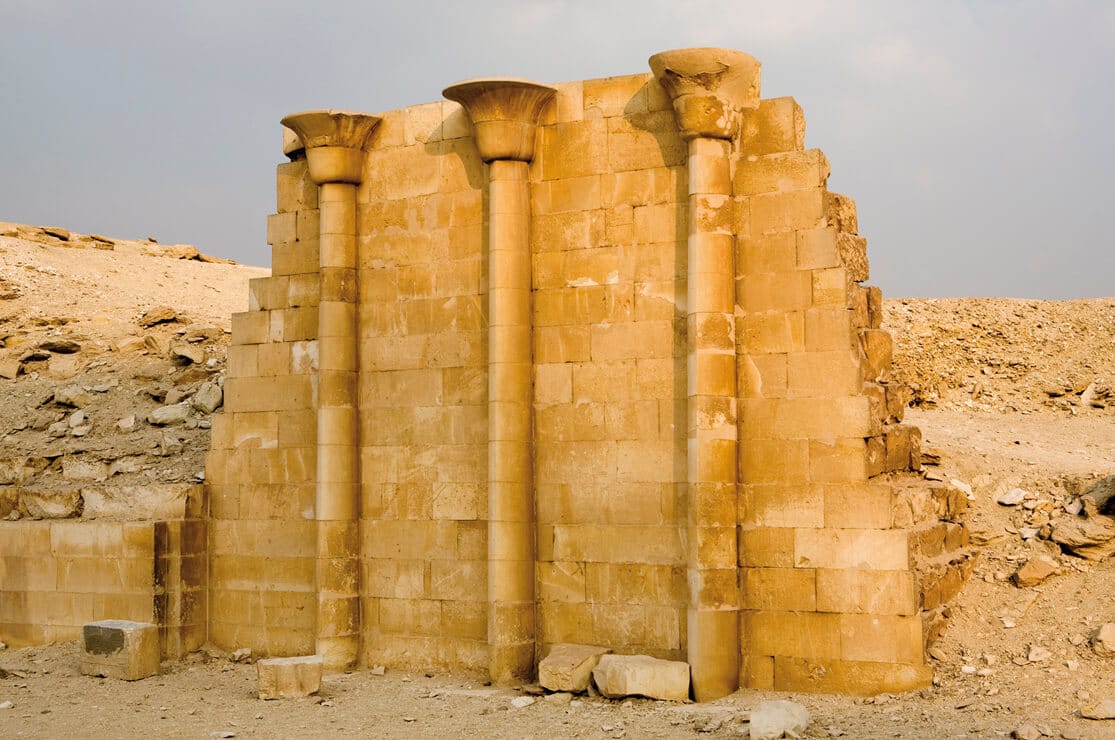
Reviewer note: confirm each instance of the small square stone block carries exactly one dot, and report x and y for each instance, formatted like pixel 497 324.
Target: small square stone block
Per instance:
pixel 289 678
pixel 116 648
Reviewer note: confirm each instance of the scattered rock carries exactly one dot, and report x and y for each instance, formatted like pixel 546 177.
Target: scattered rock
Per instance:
pixel 209 398
pixel 127 423
pixel 191 353
pixel 157 315
pixel 378 670
pixel 522 701
pixel 774 719
pixel 241 655
pixel 172 251
pixel 73 395
pixel 165 415
pixel 6 705
pixel 1034 571
pixel 57 232
pixel 1038 654
pixel 1104 709
pixel 641 675
pixel 1092 538
pixel 569 667
pixel 10 368
pixel 1013 497
pixel 1103 640
pixel 129 344
pixel 1026 732
pixel 560 698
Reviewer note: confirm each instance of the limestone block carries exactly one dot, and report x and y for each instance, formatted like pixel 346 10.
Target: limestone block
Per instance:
pixel 116 648
pixel 289 678
pixel 282 228
pixel 878 350
pixel 903 447
pixel 853 256
pixel 840 211
pixel 569 667
pixel 641 675
pixel 874 306
pixel 778 125
pixel 783 171
pixel 898 398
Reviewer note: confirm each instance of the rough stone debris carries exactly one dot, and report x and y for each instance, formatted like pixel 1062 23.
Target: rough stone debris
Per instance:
pixel 569 667
pixel 1034 571
pixel 771 720
pixel 1103 640
pixel 289 678
pixel 117 648
pixel 617 676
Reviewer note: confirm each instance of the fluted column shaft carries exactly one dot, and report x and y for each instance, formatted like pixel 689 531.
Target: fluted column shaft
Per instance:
pixel 713 613
pixel 510 399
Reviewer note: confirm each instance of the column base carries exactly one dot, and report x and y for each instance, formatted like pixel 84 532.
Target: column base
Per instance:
pixel 713 652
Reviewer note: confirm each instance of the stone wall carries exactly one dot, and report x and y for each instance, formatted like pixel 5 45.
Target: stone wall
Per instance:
pixel 263 455
pixel 585 363
pixel 56 575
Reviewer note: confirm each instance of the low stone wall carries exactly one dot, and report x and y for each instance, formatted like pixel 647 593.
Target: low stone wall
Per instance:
pixel 56 575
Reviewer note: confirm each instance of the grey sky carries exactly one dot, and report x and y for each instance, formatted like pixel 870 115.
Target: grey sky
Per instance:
pixel 975 136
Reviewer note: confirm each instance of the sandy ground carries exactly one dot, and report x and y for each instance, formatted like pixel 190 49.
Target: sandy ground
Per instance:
pixel 1000 396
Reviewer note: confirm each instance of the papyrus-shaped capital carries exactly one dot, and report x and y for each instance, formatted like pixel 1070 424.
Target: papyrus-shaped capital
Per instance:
pixel 710 88
pixel 335 141
pixel 504 112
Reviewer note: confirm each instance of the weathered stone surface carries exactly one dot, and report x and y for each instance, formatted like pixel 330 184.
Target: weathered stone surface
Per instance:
pixel 208 398
pixel 158 315
pixel 151 501
pixel 57 232
pixel 569 667
pixel 289 678
pixel 1092 538
pixel 50 503
pixel 73 395
pixel 60 345
pixel 1013 497
pixel 774 719
pixel 641 675
pixel 77 469
pixel 189 352
pixel 1103 640
pixel 1034 571
pixel 116 648
pixel 1104 709
pixel 173 414
pixel 10 367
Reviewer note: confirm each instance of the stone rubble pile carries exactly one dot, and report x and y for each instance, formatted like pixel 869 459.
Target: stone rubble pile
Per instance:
pixel 112 427
pixel 1002 354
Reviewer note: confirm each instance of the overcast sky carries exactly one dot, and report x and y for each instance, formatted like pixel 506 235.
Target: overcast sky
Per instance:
pixel 975 136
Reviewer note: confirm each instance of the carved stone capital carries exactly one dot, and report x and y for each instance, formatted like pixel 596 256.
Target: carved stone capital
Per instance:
pixel 710 88
pixel 334 142
pixel 504 112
